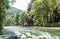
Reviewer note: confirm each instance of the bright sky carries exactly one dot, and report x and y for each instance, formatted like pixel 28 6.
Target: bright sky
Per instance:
pixel 21 4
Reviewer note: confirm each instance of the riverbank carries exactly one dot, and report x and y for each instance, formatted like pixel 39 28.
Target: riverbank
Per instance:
pixel 37 27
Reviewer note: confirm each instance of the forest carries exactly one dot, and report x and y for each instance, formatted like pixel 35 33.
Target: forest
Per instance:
pixel 44 13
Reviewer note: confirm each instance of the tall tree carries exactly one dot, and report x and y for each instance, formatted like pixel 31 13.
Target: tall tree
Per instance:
pixel 4 5
pixel 43 11
pixel 17 18
pixel 40 10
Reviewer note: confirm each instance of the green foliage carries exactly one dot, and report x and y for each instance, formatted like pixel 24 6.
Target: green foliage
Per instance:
pixel 43 11
pixel 4 5
pixel 21 18
pixel 25 19
pixel 9 21
pixel 39 9
pixel 17 18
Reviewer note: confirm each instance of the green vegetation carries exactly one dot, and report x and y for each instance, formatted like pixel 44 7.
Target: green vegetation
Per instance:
pixel 3 7
pixel 44 13
pixel 39 13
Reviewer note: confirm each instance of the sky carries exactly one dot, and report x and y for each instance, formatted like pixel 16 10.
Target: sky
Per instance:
pixel 21 4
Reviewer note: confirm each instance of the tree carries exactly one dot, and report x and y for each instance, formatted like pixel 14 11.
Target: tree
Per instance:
pixel 25 19
pixel 21 18
pixel 56 12
pixel 4 5
pixel 17 18
pixel 29 19
pixel 35 11
pixel 42 10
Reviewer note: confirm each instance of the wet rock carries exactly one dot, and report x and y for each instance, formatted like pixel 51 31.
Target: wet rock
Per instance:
pixel 44 35
pixel 17 33
pixel 28 35
pixel 13 37
pixel 33 36
pixel 30 38
pixel 23 36
pixel 40 37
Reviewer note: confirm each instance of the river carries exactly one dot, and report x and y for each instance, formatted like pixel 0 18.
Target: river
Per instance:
pixel 32 31
pixel 22 29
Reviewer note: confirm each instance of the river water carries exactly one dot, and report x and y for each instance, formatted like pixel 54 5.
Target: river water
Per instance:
pixel 22 29
pixel 32 31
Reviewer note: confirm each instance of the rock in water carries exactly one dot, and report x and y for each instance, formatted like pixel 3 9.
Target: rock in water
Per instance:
pixel 23 36
pixel 13 37
pixel 17 33
pixel 28 35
